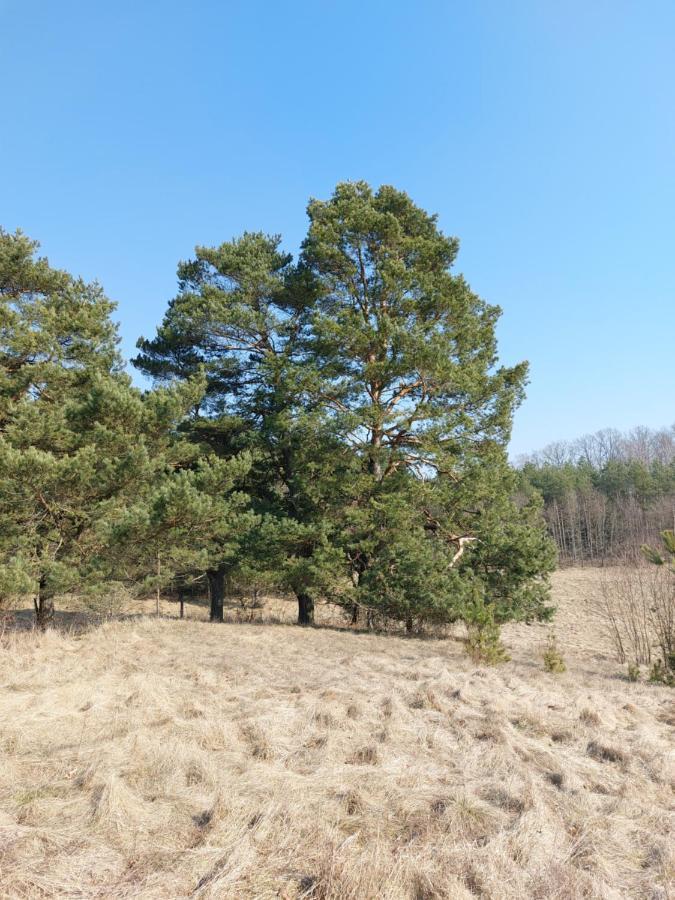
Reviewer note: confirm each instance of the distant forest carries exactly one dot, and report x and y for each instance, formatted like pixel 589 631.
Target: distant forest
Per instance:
pixel 606 493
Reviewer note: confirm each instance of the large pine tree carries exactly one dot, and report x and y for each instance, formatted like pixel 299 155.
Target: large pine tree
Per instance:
pixel 241 318
pixel 406 354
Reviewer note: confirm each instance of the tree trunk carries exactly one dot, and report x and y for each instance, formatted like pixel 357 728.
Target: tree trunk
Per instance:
pixel 374 463
pixel 305 609
pixel 409 624
pixel 157 592
pixel 216 593
pixel 356 578
pixel 181 601
pixel 44 608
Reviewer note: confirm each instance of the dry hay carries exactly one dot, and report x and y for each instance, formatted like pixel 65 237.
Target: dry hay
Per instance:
pixel 166 759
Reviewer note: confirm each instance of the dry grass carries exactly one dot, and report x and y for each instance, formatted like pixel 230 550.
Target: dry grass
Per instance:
pixel 166 759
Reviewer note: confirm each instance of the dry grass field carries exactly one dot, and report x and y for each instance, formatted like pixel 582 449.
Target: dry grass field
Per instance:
pixel 167 759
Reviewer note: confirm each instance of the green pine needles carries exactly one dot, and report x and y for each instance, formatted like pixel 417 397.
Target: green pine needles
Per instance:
pixel 334 426
pixel 554 662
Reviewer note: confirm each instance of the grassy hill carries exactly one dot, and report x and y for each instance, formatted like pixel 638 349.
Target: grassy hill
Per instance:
pixel 167 759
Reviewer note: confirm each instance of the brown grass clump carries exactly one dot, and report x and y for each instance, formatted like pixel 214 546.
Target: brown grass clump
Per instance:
pixel 605 753
pixel 589 717
pixel 163 759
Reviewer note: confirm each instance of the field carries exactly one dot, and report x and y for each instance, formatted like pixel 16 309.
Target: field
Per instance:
pixel 167 759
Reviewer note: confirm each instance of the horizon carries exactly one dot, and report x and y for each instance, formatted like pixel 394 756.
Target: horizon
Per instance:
pixel 543 140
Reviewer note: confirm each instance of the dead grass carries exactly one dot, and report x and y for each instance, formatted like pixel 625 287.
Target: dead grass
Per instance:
pixel 167 759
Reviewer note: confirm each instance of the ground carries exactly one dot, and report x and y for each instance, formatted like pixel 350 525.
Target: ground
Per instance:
pixel 156 758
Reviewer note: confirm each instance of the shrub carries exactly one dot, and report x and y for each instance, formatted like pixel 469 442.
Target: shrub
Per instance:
pixel 484 644
pixel 661 674
pixel 624 612
pixel 663 608
pixel 553 658
pixel 633 672
pixel 637 612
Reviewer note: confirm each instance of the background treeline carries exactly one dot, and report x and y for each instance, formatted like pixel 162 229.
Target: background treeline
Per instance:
pixel 607 493
pixel 333 427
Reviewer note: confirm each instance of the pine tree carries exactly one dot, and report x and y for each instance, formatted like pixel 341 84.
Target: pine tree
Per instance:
pixel 79 444
pixel 406 367
pixel 186 522
pixel 56 341
pixel 240 317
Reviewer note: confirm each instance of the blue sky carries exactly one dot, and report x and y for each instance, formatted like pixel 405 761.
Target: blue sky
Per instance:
pixel 542 133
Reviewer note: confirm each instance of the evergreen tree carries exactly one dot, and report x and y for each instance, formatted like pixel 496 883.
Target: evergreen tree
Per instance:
pixel 188 520
pixel 53 327
pixel 355 398
pixel 404 359
pixel 56 340
pixel 79 445
pixel 241 317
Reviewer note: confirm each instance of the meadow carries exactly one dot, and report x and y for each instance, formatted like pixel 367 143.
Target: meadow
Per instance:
pixel 145 757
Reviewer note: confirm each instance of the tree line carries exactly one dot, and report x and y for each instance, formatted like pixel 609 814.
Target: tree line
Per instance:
pixel 333 426
pixel 607 493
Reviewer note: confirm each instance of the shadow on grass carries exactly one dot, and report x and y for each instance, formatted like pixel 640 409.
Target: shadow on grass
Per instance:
pixel 64 620
pixel 82 620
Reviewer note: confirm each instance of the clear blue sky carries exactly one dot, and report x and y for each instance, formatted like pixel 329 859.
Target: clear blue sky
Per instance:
pixel 541 132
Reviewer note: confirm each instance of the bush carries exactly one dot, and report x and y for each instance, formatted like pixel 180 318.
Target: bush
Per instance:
pixel 484 644
pixel 661 674
pixel 107 600
pixel 553 658
pixel 637 612
pixel 624 612
pixel 633 672
pixel 663 610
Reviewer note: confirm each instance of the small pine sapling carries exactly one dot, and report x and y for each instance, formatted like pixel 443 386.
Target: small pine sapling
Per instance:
pixel 484 644
pixel 553 658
